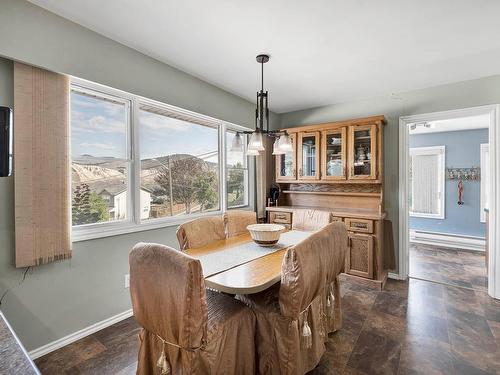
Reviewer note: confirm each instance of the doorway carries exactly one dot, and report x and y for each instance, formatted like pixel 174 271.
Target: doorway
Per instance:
pixel 447 179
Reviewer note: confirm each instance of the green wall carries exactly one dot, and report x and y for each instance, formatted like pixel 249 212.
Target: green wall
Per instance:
pixel 58 299
pixel 472 93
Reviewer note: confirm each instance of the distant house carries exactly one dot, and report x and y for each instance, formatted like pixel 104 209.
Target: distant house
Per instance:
pixel 115 195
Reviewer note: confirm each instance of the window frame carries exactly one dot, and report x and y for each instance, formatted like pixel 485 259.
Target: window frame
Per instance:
pixel 441 152
pixel 245 168
pixel 134 223
pixel 485 187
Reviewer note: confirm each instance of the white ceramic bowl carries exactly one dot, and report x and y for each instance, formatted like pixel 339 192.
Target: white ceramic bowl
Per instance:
pixel 265 234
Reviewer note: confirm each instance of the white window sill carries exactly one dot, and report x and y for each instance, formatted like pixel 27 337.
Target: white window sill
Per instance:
pixel 427 216
pixel 116 229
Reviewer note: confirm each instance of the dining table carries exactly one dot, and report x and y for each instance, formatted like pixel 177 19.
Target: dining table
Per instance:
pixel 238 265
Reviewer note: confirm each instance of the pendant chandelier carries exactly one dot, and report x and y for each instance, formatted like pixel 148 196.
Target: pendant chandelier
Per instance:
pixel 282 142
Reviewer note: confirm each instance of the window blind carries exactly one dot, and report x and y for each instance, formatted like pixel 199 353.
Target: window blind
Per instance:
pixel 41 166
pixel 425 181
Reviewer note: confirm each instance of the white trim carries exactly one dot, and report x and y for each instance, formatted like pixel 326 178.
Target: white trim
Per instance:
pixel 66 340
pixel 441 152
pixel 103 231
pixel 493 111
pixel 394 276
pixel 133 222
pixel 447 240
pixel 485 150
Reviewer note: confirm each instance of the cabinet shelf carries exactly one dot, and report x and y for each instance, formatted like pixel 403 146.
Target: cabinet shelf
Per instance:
pixel 338 193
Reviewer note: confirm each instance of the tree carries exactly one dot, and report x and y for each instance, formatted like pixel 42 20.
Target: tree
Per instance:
pixel 235 184
pixel 206 190
pixel 88 207
pixel 192 181
pixel 98 207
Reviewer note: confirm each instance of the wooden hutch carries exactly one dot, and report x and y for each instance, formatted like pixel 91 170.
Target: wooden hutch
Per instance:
pixel 338 167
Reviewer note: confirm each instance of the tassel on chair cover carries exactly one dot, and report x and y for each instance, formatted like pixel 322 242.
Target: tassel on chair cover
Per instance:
pixel 306 332
pixel 330 302
pixel 162 363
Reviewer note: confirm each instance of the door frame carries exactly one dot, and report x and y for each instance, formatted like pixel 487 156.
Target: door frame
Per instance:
pixel 493 111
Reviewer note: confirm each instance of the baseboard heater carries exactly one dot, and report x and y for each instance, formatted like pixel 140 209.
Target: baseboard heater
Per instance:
pixel 448 240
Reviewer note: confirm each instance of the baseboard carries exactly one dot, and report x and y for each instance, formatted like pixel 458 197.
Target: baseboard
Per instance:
pixel 394 276
pixel 448 240
pixel 50 347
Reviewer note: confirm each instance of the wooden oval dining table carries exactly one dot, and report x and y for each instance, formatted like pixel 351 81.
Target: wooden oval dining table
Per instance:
pixel 237 265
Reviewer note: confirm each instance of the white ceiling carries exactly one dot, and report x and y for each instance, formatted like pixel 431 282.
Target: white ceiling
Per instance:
pixel 322 51
pixel 450 125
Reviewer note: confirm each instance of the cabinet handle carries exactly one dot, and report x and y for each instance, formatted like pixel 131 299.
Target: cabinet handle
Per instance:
pixel 294 173
pixel 300 172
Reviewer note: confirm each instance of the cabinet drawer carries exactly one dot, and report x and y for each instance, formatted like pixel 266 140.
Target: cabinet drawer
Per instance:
pixel 280 217
pixel 359 259
pixel 359 225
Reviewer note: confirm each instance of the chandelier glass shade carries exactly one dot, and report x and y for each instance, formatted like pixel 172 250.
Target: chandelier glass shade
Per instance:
pixel 237 143
pixel 256 142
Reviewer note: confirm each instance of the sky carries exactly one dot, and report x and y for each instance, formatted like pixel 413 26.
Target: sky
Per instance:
pixel 98 128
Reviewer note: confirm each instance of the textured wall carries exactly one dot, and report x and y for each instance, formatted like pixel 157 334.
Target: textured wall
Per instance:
pixel 463 150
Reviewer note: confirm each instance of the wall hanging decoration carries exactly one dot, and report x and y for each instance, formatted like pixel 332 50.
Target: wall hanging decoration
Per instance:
pixel 464 174
pixel 460 192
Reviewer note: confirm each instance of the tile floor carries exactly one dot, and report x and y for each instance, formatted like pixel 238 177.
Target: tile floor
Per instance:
pixel 412 327
pixel 449 266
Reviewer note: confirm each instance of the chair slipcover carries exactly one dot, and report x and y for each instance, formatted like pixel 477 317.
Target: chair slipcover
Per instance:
pixel 200 232
pixel 309 270
pixel 215 333
pixel 310 220
pixel 236 221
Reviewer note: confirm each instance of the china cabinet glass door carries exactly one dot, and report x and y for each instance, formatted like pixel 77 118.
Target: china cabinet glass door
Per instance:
pixel 308 155
pixel 333 154
pixel 285 163
pixel 362 152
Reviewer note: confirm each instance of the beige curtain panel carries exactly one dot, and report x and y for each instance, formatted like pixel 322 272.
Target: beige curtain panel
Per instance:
pixel 41 166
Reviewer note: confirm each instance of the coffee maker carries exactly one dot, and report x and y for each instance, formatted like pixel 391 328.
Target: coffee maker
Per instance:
pixel 274 193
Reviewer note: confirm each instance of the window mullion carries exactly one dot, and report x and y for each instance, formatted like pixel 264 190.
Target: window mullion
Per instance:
pixel 223 166
pixel 136 162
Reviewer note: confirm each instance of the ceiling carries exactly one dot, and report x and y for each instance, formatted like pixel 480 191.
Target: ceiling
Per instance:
pixel 322 51
pixel 450 125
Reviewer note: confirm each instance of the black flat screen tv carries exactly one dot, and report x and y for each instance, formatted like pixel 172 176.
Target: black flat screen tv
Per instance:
pixel 5 141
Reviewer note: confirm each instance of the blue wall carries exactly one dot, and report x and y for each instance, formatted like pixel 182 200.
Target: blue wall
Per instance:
pixel 462 151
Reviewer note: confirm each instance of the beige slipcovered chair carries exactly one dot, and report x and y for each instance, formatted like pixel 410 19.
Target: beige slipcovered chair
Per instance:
pixel 236 221
pixel 186 329
pixel 310 220
pixel 200 232
pixel 293 316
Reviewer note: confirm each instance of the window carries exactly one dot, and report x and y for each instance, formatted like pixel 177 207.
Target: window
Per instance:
pixel 138 164
pixel 179 165
pixel 485 179
pixel 100 161
pixel 427 179
pixel 237 174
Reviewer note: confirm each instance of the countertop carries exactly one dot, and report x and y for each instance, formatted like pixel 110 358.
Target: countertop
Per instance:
pixel 13 356
pixel 359 213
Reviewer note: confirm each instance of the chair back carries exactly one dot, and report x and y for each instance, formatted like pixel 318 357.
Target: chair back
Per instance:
pixel 310 266
pixel 200 232
pixel 310 220
pixel 168 294
pixel 236 221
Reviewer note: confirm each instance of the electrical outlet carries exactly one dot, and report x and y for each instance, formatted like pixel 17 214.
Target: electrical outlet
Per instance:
pixel 127 281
